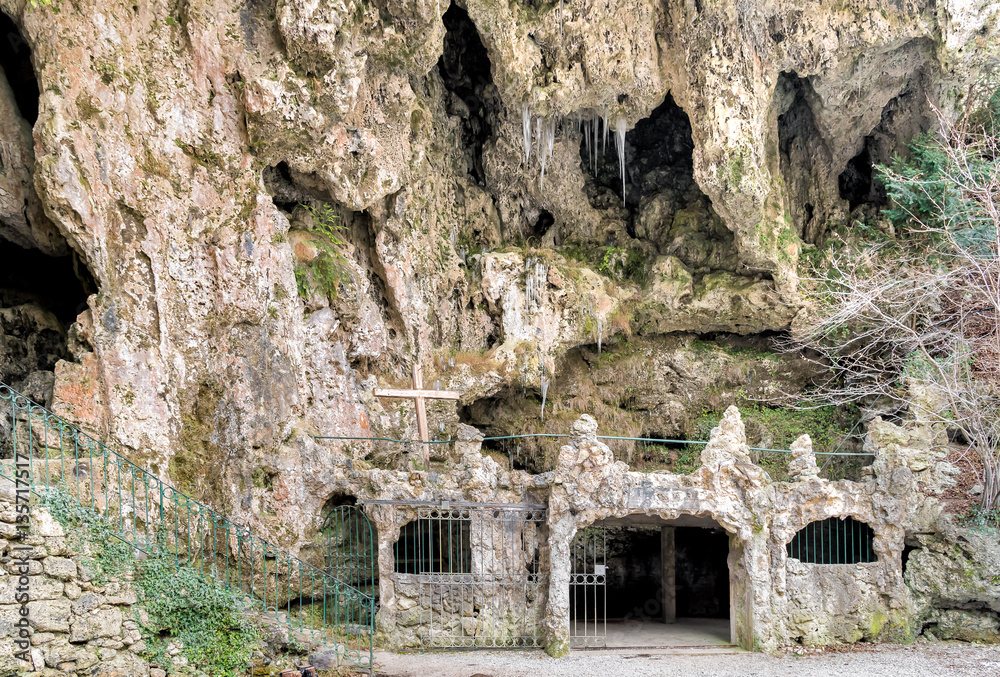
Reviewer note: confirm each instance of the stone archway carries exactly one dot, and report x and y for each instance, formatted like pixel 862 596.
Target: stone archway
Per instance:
pixel 645 581
pixel 590 486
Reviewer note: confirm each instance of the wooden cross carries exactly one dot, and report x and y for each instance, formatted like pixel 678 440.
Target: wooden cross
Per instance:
pixel 418 394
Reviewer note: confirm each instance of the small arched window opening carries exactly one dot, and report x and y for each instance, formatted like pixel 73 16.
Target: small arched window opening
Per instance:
pixel 836 540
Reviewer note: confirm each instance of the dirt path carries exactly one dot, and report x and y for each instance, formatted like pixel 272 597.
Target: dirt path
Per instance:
pixel 921 660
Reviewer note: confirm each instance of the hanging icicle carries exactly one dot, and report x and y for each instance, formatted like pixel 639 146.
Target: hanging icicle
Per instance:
pixel 545 392
pixel 620 129
pixel 545 147
pixel 542 157
pixel 526 123
pixel 593 143
pixel 605 116
pixel 538 135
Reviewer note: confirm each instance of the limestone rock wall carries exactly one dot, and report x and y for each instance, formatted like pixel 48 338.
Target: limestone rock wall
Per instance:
pixel 174 141
pixel 952 569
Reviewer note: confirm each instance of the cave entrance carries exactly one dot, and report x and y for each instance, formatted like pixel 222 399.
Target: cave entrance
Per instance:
pixel 664 210
pixel 466 72
pixel 15 61
pixel 40 298
pixel 645 582
pixel 659 167
pixel 43 283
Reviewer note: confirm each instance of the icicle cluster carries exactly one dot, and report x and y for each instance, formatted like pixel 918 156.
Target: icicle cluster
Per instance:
pixel 544 140
pixel 595 128
pixel 535 279
pixel 596 131
pixel 595 135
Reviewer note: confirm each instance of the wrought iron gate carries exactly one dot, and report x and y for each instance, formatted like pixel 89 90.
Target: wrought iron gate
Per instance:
pixel 473 570
pixel 349 553
pixel 588 625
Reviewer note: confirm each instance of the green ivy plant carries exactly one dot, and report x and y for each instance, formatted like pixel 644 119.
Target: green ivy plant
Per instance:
pixel 209 620
pixel 329 269
pixel 110 557
pixel 980 519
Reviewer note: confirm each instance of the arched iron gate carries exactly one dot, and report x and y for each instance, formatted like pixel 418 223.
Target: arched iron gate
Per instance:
pixel 349 543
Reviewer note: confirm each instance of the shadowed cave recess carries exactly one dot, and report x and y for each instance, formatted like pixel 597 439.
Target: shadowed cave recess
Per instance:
pixel 44 284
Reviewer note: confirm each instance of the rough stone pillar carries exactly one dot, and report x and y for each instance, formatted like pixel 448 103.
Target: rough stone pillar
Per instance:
pixel 384 519
pixel 803 466
pixel 562 528
pixel 667 574
pixel 469 442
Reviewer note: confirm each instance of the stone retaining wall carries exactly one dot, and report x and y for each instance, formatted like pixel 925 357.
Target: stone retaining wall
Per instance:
pixel 77 626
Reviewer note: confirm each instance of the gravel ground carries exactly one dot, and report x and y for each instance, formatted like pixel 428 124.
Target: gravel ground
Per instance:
pixel 921 660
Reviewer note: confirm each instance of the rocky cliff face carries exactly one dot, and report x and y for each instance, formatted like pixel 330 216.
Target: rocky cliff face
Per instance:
pixel 156 156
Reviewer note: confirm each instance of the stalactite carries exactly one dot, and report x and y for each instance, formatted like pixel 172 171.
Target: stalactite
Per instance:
pixel 526 123
pixel 605 116
pixel 538 135
pixel 545 392
pixel 620 129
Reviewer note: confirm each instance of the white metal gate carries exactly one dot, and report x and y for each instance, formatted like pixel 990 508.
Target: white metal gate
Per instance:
pixel 588 626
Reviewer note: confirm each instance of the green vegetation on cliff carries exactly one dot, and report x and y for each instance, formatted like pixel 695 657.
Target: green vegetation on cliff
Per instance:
pixel 209 621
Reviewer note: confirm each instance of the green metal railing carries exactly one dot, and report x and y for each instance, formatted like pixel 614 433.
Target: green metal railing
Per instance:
pixel 157 519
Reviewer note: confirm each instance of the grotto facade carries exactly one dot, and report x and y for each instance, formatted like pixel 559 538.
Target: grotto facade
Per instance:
pixel 522 536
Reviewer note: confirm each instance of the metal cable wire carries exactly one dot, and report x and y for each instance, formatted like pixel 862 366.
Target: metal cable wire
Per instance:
pixel 600 437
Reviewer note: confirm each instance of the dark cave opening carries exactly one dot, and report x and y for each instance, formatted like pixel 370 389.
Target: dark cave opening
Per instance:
pixel 543 223
pixel 803 155
pixel 279 182
pixel 40 298
pixel 856 182
pixel 904 117
pixel 15 59
pixel 659 158
pixel 465 69
pixel 702 572
pixel 663 203
pixel 41 294
pixel 905 556
pixel 61 284
pixel 634 573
